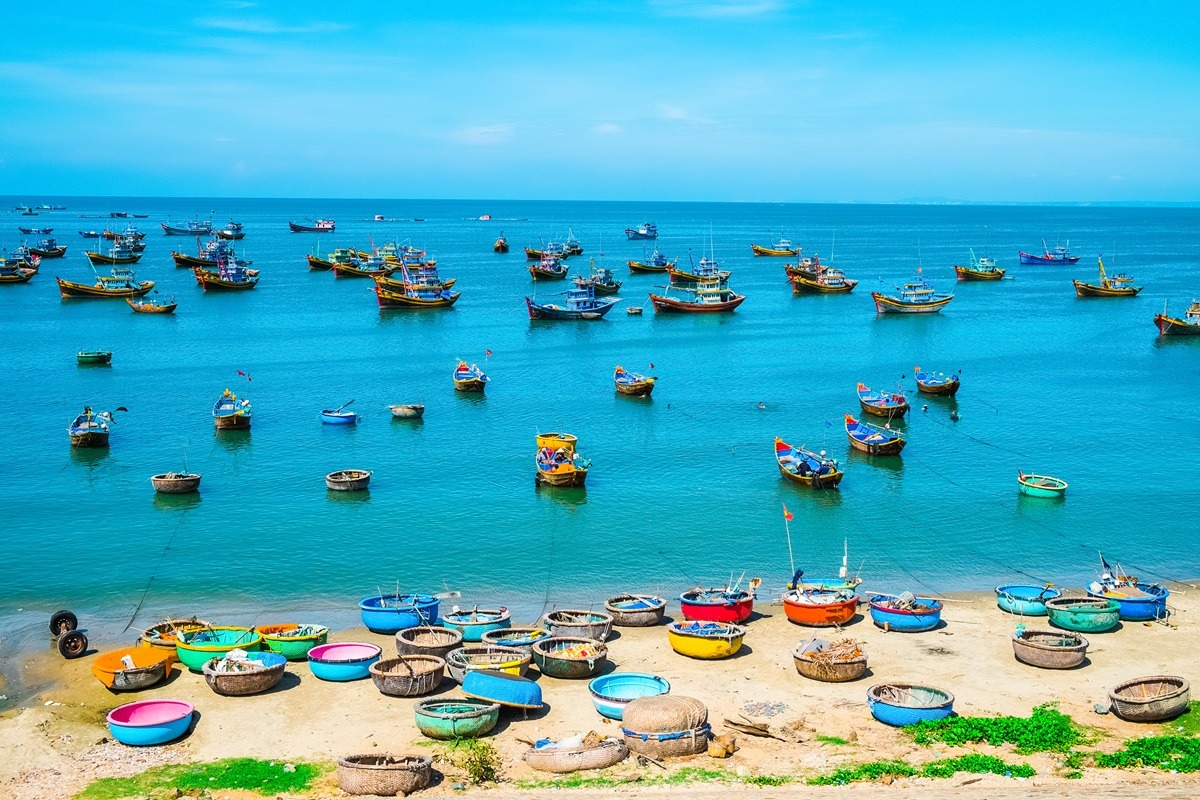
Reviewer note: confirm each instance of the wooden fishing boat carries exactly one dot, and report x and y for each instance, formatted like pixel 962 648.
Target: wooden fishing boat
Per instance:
pixel 119 253
pixel 245 675
pixel 120 282
pixel 231 412
pixel 602 281
pixel 469 379
pixel 208 255
pixel 35 231
pixel 164 635
pixel 348 480
pixel 151 306
pixel 882 404
pixel 90 429
pixel 133 669
pixel 549 268
pixel 176 482
pixel 318 226
pixel 1040 485
pixel 579 623
pixel 230 276
pixel 563 758
pixel 549 250
pixel 1025 600
pixel 873 440
pixel 318 264
pixel 647 230
pixel 414 297
pixel 707 271
pixel 503 659
pixel 130 234
pixel 232 231
pixel 423 277
pixel 560 467
pixel 707 298
pixel 427 640
pixel 901 704
pixel 804 467
pixel 937 383
pixel 819 608
pixel 632 383
pixel 48 248
pixel 822 280
pixel 1156 698
pixel 1049 649
pixel 407 411
pixel 1138 601
pixel 12 273
pixel 655 262
pixel 193 228
pixel 571 245
pixel 635 610
pixel 905 613
pixel 521 638
pixel 915 297
pixel 836 662
pixel 578 303
pixel 981 269
pixel 803 268
pixel 716 605
pixel 781 248
pixel 94 356
pixel 1084 614
pixel 1060 255
pixel 372 266
pixel 501 244
pixel 1119 285
pixel 1174 326
pixel 705 640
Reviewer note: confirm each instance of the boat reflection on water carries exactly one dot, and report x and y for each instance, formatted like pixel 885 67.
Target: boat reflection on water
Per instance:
pixel 176 502
pixel 349 498
pixel 233 440
pixel 569 497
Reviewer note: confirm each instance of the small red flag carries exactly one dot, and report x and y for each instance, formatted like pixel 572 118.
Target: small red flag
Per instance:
pixel 651 365
pixel 787 515
pixel 245 375
pixel 488 353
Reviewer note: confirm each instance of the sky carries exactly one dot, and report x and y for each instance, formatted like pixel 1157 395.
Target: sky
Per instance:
pixel 714 100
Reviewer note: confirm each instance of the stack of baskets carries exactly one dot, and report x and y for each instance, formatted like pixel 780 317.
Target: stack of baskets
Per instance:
pixel 666 726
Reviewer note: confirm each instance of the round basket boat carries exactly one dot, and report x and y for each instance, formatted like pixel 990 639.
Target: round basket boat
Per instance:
pixel 1049 649
pixel 150 722
pixel 1140 602
pixel 1155 698
pixel 612 693
pixel 195 648
pixel 580 624
pixel 673 744
pixel 425 641
pixel 922 614
pixel 383 775
pixel 164 635
pixel 818 660
pixel 504 659
pixel 569 657
pixel 391 613
pixel 503 688
pixel 635 610
pixel 666 713
pixel 342 661
pixel 706 640
pixel 716 605
pixel 175 482
pixel 573 759
pixel 900 704
pixel 408 676
pixel 292 640
pixel 521 639
pixel 263 673
pixel 134 668
pixel 348 480
pixel 820 608
pixel 1084 614
pixel 1026 600
pixel 475 623
pixel 456 719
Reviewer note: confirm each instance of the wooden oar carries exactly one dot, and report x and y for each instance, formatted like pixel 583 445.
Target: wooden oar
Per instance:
pixel 343 405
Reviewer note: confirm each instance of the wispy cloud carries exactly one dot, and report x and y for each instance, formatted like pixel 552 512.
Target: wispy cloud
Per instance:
pixel 483 134
pixel 269 27
pixel 608 128
pixel 717 9
pixel 678 114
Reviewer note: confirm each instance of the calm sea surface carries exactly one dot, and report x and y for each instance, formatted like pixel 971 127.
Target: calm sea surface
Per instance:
pixel 684 488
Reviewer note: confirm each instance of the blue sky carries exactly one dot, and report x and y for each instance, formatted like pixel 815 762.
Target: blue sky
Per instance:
pixel 756 100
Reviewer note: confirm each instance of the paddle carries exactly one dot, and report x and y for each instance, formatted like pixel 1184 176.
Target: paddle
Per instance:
pixel 343 405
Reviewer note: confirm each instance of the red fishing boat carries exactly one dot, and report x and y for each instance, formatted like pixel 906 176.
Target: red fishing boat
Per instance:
pixel 717 605
pixel 820 608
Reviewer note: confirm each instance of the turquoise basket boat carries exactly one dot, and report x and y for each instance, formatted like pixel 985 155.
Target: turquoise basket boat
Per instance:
pixel 475 623
pixel 1084 614
pixel 197 648
pixel 291 640
pixel 612 692
pixel 456 719
pixel 1026 600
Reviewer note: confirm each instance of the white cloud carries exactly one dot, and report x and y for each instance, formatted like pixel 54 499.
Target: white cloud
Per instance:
pixel 266 26
pixel 717 9
pixel 608 127
pixel 681 115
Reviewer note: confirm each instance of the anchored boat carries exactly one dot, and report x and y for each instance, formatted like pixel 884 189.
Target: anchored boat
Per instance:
pixel 655 262
pixel 90 429
pixel 548 268
pixel 602 280
pixel 1119 285
pixel 916 297
pixel 152 306
pixel 469 379
pixel 647 230
pixel 872 440
pixel 1060 255
pixel 1174 326
pixel 1040 485
pixel 318 226
pixel 193 228
pixel 707 298
pixel 821 280
pixel 579 303
pixel 557 462
pixel 981 269
pixel 231 412
pixel 120 282
pixel 882 404
pixel 814 470
pixel 937 383
pixel 781 248
pixel 631 383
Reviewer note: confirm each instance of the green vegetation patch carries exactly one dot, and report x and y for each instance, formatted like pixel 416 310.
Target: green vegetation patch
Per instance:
pixel 831 740
pixel 1188 724
pixel 687 775
pixel 1046 730
pixel 263 777
pixel 1172 753
pixel 943 768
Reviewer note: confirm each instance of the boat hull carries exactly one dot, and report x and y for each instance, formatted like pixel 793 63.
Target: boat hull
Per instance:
pixel 470 385
pixel 101 258
pixel 1152 606
pixel 925 615
pixel 965 274
pixel 638 389
pixel 1025 600
pixel 947 389
pixel 818 615
pixel 70 289
pixel 829 480
pixel 1092 290
pixel 569 477
pixel 771 251
pixel 939 706
pixel 89 439
pixel 890 305
pixel 721 644
pixel 212 282
pixel 388 299
pixel 1037 486
pixel 1031 258
pixel 802 284
pixel 727 611
pixel 1169 326
pixel 670 305
pixel 540 274
pixel 232 422
pixel 888 412
pixel 151 308
pixel 637 266
pixel 553 312
pixel 49 252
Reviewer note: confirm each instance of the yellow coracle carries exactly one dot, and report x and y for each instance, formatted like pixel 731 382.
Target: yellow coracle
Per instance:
pixel 707 640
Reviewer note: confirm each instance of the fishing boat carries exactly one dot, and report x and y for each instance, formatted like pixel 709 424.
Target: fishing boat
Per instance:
pixel 549 268
pixel 90 429
pixel 578 303
pixel 726 604
pixel 647 230
pixel 318 264
pixel 407 411
pixel 803 268
pixel 231 231
pixel 1154 698
pixel 705 640
pixel 339 416
pixel 937 383
pixel 1024 599
pixel 120 282
pixel 501 244
pixel 560 466
pixel 820 608
pixel 916 297
pixel 176 482
pixel 35 231
pixel 548 249
pixel 1138 601
pixel 1174 326
pixel 231 412
pixel 231 275
pixel 1060 255
pixel 706 271
pixel 654 262
pixel 1049 649
pixel 207 255
pixel 318 226
pixel 119 253
pixel 373 266
pixel 152 306
pixel 1084 614
pixel 1119 285
pixel 602 280
pixel 905 613
pixel 822 280
pixel 631 383
pixel 981 269
pixel 48 247
pixel 571 245
pixel 873 440
pixel 469 379
pixel 814 470
pixel 410 296
pixel 706 298
pixel 340 256
pixel 781 248
pixel 882 404
pixel 1040 485
pixel 131 233
pixel 193 228
pixel 94 357
pixel 90 234
pixel 15 273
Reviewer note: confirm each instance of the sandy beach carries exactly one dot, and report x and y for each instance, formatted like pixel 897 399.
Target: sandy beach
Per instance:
pixel 57 742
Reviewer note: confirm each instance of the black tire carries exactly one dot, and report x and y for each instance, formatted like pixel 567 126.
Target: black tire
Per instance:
pixel 72 644
pixel 63 621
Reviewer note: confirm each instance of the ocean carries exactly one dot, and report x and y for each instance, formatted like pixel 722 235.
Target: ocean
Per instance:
pixel 684 488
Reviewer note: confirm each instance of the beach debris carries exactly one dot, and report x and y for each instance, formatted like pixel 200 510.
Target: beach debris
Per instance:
pixel 767 720
pixel 236 661
pixel 762 708
pixel 722 746
pixel 1100 709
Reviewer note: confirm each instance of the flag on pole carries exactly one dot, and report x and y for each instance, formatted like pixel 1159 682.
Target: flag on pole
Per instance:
pixel 487 353
pixel 787 515
pixel 651 365
pixel 245 375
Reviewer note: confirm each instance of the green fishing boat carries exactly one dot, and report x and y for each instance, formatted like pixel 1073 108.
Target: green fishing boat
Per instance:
pixel 1040 485
pixel 456 719
pixel 1083 614
pixel 197 648
pixel 94 356
pixel 291 640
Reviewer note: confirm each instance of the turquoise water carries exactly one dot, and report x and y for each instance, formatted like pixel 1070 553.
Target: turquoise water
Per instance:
pixel 684 487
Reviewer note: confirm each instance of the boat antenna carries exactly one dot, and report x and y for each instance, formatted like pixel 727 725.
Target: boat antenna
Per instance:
pixel 832 242
pixel 919 264
pixel 843 573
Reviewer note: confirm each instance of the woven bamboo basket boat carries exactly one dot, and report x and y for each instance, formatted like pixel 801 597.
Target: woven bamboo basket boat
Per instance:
pixel 635 610
pixel 163 635
pixel 383 775
pixel 175 482
pixel 570 657
pixel 422 641
pixel 408 676
pixel 522 639
pixel 581 624
pixel 1151 699
pixel 573 759
pixel 675 744
pixel 505 659
pixel 264 676
pixel 819 660
pixel 1049 649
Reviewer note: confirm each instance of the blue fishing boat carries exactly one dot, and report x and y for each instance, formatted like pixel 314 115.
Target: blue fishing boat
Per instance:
pixel 579 303
pixel 873 440
pixel 900 704
pixel 391 613
pixel 1060 255
pixel 813 470
pixel 469 379
pixel 193 228
pixel 905 613
pixel 1138 601
pixel 1025 599
pixel 647 230
pixel 937 383
pixel 882 404
pixel 231 412
pixel 611 693
pixel 915 297
pixel 336 416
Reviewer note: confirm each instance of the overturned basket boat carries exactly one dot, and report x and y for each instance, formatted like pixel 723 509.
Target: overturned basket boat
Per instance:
pixel 408 676
pixel 666 726
pixel 175 482
pixel 522 639
pixel 425 641
pixel 1151 699
pixel 504 688
pixel 570 657
pixel 504 659
pixel 383 775
pixel 580 624
pixel 833 663
pixel 261 672
pixel 348 480
pixel 573 759
pixel 1049 649
pixel 635 610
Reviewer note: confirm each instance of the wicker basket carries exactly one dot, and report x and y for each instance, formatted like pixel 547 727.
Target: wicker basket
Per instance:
pixel 835 669
pixel 665 713
pixel 425 641
pixel 499 637
pixel 383 775
pixel 1151 699
pixel 581 624
pixel 408 676
pixel 506 659
pixel 640 618
pixel 552 659
pixel 668 745
pixel 574 759
pixel 1049 649
pixel 240 684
